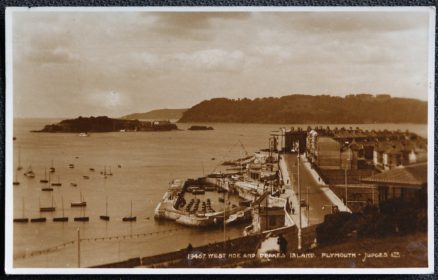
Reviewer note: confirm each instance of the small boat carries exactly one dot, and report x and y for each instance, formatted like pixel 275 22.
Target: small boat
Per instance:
pixel 29 173
pixel 198 191
pixel 58 184
pixel 16 182
pixel 209 188
pixel 82 218
pixel 73 184
pixel 81 203
pixel 22 219
pixel 47 189
pixel 78 204
pixel 38 220
pixel 221 199
pixel 104 173
pixel 63 218
pixel 44 181
pixel 92 169
pixel 105 217
pixel 86 177
pixel 52 168
pixel 119 166
pixel 130 218
pixel 71 165
pixel 19 167
pixel 84 134
pixel 51 208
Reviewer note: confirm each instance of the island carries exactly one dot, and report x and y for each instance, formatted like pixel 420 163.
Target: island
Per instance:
pixel 106 124
pixel 310 109
pixel 201 127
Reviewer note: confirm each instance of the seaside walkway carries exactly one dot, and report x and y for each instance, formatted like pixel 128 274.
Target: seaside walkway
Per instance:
pixel 291 195
pixel 313 191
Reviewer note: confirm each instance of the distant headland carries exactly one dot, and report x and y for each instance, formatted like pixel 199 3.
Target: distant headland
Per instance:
pixel 310 109
pixel 106 124
pixel 160 114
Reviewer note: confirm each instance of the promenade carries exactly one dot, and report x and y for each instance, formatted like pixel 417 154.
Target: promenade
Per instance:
pixel 313 191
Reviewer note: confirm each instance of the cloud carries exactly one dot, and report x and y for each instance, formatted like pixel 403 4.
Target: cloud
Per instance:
pixel 125 62
pixel 192 25
pixel 212 60
pixel 58 55
pixel 338 22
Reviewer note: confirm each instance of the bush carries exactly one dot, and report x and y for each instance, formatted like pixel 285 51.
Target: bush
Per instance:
pixel 336 227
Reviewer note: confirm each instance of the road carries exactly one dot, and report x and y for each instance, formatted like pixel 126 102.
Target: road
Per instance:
pixel 319 204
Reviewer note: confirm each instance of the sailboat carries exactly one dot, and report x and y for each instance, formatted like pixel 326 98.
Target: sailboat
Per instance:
pixel 51 208
pixel 16 182
pixel 44 181
pixel 63 218
pixel 105 217
pixel 81 203
pixel 19 167
pixel 82 218
pixel 40 219
pixel 58 184
pixel 22 219
pixel 130 218
pixel 29 173
pixel 104 172
pixel 110 173
pixel 48 188
pixel 52 168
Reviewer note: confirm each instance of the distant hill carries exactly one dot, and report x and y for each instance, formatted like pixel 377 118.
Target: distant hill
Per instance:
pixel 309 109
pixel 162 114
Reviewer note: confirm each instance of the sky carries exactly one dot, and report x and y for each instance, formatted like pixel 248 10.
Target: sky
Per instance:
pixel 67 64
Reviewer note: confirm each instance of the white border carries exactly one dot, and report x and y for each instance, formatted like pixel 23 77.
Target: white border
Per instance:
pixel 9 134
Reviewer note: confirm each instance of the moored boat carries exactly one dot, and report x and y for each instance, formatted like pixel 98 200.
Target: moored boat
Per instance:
pixel 130 218
pixel 80 203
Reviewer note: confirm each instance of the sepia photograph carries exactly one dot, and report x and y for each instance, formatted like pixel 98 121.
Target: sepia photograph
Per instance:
pixel 219 140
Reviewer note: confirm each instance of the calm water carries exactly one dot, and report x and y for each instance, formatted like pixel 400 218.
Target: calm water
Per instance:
pixel 149 161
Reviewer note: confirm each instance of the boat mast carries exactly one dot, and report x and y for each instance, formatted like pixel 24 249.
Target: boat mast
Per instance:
pixel 131 208
pixel 22 206
pixel 106 206
pixel 62 203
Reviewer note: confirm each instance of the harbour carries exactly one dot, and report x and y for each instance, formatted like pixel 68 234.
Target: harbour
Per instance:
pixel 148 162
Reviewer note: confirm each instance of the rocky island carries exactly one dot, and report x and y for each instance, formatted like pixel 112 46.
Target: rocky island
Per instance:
pixel 106 124
pixel 201 127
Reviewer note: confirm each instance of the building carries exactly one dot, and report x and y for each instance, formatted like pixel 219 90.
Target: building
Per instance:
pixel 393 153
pixel 407 183
pixel 294 140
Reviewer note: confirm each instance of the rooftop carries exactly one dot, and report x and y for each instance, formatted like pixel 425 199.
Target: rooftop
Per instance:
pixel 412 175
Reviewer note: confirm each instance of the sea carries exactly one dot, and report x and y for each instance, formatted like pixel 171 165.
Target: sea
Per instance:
pixel 143 164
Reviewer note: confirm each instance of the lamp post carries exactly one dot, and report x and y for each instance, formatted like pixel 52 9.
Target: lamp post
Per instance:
pixel 299 199
pixel 307 205
pixel 79 248
pixel 346 184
